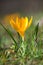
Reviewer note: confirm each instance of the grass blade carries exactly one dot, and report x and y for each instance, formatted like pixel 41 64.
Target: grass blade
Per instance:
pixel 8 31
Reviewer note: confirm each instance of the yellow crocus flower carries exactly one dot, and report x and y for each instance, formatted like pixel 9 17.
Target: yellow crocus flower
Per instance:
pixel 21 24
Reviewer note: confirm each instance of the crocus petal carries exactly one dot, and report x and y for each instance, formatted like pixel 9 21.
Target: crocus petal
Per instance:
pixel 13 25
pixel 17 20
pixel 25 23
pixel 30 21
pixel 21 33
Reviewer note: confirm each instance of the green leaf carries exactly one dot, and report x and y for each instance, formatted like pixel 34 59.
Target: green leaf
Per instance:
pixel 36 32
pixel 36 29
pixel 20 38
pixel 9 32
